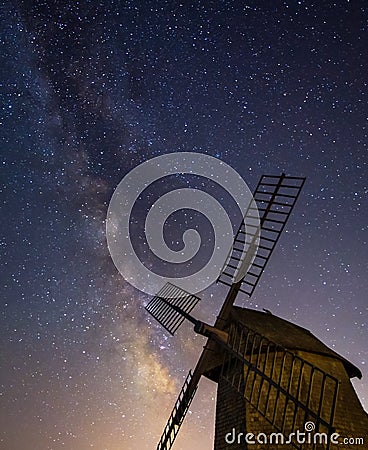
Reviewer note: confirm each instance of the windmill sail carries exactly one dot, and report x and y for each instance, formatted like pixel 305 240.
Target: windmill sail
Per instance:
pixel 178 413
pixel 165 306
pixel 284 388
pixel 274 200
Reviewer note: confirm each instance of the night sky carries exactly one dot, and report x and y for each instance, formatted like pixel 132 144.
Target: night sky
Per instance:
pixel 89 90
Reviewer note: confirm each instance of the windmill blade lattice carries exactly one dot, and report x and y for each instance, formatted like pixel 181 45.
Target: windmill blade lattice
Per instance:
pixel 275 197
pixel 278 383
pixel 160 307
pixel 178 413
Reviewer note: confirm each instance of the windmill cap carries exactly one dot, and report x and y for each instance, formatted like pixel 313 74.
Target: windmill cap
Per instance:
pixel 288 335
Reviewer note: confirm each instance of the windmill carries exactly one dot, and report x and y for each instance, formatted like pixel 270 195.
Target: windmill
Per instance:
pixel 273 376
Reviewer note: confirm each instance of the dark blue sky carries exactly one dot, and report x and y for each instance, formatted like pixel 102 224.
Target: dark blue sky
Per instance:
pixel 91 89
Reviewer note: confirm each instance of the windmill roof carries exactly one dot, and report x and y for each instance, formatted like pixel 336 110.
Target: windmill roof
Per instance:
pixel 288 335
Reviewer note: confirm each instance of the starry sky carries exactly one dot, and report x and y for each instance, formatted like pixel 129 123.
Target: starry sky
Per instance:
pixel 91 89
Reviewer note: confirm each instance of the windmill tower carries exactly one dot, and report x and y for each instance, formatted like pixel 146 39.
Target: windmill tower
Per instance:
pixel 275 379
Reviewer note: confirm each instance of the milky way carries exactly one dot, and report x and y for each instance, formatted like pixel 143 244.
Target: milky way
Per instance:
pixel 89 90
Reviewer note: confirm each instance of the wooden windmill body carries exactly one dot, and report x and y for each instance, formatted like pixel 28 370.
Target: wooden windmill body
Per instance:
pixel 274 378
